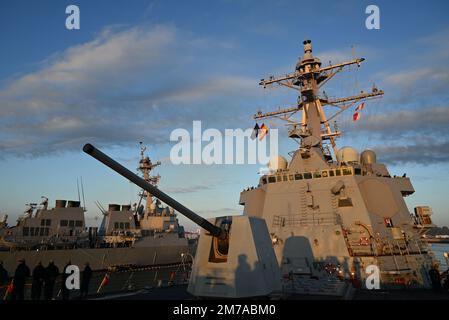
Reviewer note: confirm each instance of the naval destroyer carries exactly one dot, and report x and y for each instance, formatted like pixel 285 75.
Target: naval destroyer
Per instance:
pixel 144 234
pixel 332 212
pixel 322 223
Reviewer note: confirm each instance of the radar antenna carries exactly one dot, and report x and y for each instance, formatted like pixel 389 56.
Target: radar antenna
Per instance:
pixel 307 79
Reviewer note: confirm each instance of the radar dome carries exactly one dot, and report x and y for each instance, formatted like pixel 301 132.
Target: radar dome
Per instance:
pixel 347 155
pixel 277 163
pixel 368 157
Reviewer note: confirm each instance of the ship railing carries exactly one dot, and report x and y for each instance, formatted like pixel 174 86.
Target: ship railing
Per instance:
pixel 300 220
pixel 385 247
pixel 123 280
pixel 43 241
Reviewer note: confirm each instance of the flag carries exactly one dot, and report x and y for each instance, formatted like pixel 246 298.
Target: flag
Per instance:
pixel 360 107
pixel 263 131
pixel 9 290
pixel 104 282
pixel 255 132
pixel 388 222
pixel 172 276
pixel 357 114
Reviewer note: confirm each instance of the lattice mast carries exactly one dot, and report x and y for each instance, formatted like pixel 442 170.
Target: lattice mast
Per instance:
pixel 145 166
pixel 307 79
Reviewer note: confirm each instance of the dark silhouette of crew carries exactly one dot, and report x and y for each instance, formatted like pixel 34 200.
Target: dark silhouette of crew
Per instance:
pixel 51 273
pixel 243 270
pixel 65 292
pixel 38 281
pixel 20 277
pixel 3 275
pixel 85 279
pixel 445 278
pixel 435 278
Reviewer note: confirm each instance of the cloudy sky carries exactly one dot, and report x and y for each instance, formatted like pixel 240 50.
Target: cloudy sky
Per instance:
pixel 136 70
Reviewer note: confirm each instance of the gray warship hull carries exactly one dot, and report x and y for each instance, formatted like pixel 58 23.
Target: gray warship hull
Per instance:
pixel 100 258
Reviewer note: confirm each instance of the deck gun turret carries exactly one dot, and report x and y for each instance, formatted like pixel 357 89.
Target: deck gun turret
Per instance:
pixel 228 263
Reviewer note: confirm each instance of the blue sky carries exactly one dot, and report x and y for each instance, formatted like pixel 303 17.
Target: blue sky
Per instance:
pixel 136 70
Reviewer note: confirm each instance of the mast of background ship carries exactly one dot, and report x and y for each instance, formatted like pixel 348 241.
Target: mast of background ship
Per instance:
pixel 145 166
pixel 308 78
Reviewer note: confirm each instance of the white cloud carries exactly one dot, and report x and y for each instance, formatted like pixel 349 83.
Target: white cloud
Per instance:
pixel 421 152
pixel 107 62
pixel 423 120
pixel 117 89
pixel 426 79
pixel 221 86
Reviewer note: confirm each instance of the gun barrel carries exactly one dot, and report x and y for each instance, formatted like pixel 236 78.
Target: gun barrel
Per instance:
pixel 117 167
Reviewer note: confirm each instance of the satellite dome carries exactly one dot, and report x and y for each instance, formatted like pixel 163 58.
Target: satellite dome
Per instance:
pixel 347 155
pixel 277 163
pixel 368 157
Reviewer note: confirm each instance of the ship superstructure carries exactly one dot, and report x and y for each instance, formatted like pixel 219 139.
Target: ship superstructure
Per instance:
pixel 334 212
pixel 124 224
pixel 40 227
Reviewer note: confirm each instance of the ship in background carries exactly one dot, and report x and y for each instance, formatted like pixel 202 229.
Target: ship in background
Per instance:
pixel 144 234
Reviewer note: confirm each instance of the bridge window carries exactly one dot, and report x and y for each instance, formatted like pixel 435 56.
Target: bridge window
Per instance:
pixel 42 232
pixel 116 225
pixel 32 231
pixel 307 175
pixel 64 223
pixel 290 177
pixel 272 179
pixel 298 176
pixel 26 231
pixel 79 223
pixel 317 174
pixel 71 223
pixel 285 178
pixel 127 225
pixel 338 172
pixel 36 231
pixel 48 222
pixel 357 171
pixel 121 225
pixel 331 173
pixel 278 178
pixel 47 231
pixel 43 222
pixel 347 171
pixel 264 180
pixel 324 174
